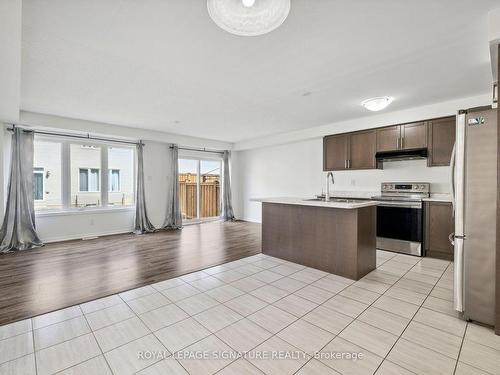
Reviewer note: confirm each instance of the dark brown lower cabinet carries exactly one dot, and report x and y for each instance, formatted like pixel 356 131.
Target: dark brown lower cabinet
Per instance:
pixel 439 223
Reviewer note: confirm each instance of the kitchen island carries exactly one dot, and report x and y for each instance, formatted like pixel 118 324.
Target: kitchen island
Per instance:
pixel 337 237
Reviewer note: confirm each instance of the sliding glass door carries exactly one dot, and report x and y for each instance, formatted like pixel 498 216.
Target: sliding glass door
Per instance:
pixel 210 183
pixel 200 183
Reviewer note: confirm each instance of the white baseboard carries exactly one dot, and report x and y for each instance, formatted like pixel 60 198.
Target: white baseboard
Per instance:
pixel 253 220
pixel 86 235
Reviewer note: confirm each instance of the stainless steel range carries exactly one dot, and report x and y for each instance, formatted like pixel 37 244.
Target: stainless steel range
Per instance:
pixel 400 218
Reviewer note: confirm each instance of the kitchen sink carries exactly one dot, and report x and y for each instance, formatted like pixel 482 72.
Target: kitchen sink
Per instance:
pixel 335 200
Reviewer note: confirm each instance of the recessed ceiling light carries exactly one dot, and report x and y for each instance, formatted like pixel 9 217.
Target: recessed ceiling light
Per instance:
pixel 377 104
pixel 248 17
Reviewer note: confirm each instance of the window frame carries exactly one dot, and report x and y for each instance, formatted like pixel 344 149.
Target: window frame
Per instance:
pixel 41 170
pixel 66 208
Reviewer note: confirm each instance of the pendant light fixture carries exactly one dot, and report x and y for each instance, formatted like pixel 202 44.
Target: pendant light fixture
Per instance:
pixel 248 17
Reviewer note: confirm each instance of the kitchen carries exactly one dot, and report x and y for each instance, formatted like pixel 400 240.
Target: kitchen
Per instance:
pixel 409 219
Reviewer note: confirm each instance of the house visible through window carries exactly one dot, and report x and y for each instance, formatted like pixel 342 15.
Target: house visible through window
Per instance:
pixel 114 180
pixel 38 176
pixel 89 180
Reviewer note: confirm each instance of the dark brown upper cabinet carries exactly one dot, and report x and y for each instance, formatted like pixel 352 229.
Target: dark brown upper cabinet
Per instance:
pixel 362 149
pixel 357 150
pixel 402 137
pixel 349 151
pixel 441 139
pixel 414 135
pixel 388 138
pixel 335 149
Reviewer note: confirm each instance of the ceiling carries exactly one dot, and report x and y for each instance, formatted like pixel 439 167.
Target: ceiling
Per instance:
pixel 164 65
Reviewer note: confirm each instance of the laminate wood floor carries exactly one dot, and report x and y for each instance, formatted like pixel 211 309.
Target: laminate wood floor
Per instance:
pixel 67 273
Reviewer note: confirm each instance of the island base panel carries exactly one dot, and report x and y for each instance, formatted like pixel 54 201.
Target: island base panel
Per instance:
pixel 339 241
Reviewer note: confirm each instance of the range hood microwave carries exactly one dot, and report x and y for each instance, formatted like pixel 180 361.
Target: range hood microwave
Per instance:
pixel 418 153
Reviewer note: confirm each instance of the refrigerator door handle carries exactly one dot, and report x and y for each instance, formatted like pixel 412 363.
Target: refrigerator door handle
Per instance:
pixel 458 277
pixel 452 179
pixel 451 238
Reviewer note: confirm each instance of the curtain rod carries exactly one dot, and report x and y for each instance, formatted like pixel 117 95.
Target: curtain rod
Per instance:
pixel 198 149
pixel 88 136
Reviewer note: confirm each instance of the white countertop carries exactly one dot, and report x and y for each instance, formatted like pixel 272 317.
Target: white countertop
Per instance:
pixel 306 202
pixel 438 198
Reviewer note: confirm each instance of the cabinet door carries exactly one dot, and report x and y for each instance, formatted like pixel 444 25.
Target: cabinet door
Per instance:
pixel 441 141
pixel 362 148
pixel 335 149
pixel 438 226
pixel 414 135
pixel 388 138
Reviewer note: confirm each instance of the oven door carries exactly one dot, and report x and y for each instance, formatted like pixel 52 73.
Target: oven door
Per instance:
pixel 399 227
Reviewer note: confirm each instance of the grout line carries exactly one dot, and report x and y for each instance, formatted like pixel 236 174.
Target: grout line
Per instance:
pixel 34 348
pixel 461 345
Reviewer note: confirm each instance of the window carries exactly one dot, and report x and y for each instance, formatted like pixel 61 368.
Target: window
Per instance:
pixel 114 180
pixel 121 185
pixel 69 174
pixel 85 164
pixel 47 178
pixel 38 176
pixel 200 188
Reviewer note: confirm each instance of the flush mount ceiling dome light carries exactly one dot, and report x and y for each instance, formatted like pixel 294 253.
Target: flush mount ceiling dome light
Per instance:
pixel 248 17
pixel 377 104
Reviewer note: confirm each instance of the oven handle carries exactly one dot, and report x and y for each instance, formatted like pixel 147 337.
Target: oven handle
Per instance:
pixel 400 204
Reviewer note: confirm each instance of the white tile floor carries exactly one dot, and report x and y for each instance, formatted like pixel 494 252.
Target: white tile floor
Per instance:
pixel 399 318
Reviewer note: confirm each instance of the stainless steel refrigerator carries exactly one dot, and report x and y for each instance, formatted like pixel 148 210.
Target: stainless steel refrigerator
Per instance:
pixel 474 194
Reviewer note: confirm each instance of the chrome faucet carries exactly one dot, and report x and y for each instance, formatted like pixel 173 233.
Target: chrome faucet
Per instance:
pixel 327 194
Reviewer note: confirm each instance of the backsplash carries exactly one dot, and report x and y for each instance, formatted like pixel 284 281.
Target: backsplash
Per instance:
pixel 395 171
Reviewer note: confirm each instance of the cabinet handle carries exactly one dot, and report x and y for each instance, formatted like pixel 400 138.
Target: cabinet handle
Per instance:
pixel 345 164
pixel 397 142
pixel 349 163
pixel 402 142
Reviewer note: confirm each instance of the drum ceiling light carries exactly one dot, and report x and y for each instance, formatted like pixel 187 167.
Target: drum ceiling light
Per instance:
pixel 248 17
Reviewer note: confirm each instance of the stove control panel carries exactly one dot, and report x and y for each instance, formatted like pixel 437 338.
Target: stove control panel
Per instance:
pixel 405 187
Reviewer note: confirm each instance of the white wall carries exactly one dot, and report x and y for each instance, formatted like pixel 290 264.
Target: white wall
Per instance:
pixel 92 223
pixel 10 61
pixel 291 164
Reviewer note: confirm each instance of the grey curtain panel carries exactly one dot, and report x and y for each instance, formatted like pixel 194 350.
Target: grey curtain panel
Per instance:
pixel 18 229
pixel 142 223
pixel 227 206
pixel 174 215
